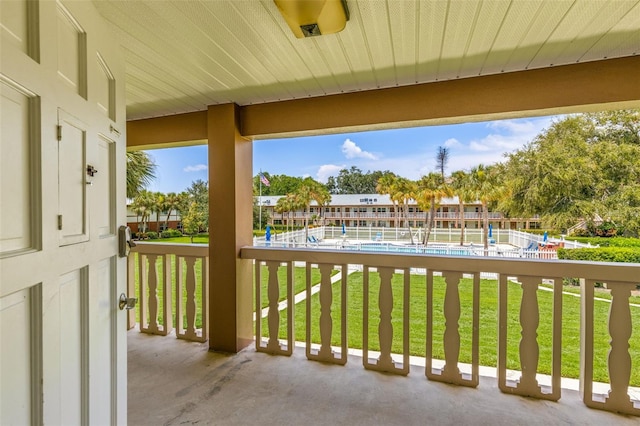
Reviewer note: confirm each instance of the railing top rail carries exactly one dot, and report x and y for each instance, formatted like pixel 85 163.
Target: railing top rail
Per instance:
pixel 180 249
pixel 601 271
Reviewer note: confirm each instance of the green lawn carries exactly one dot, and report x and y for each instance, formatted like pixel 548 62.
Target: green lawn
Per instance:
pixel 488 324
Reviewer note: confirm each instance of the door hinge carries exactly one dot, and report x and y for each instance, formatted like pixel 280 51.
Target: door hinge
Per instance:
pixel 59 222
pixel 59 132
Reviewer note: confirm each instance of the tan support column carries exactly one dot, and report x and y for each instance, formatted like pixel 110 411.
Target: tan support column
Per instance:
pixel 230 228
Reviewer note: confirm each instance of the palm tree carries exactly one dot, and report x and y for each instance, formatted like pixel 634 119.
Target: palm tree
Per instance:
pixel 384 187
pixel 308 191
pixel 140 172
pixel 402 191
pixel 430 191
pixel 172 202
pixel 286 204
pixel 142 206
pixel 485 187
pixel 158 207
pixel 320 194
pixel 460 184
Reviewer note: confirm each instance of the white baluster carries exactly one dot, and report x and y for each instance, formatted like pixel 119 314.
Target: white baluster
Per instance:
pixel 451 331
pixel 619 357
pixel 385 329
pixel 190 329
pixel 153 293
pixel 529 321
pixel 326 321
pixel 273 294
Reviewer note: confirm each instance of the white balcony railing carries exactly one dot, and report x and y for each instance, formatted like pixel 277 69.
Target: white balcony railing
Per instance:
pixel 170 278
pixel 174 278
pixel 391 310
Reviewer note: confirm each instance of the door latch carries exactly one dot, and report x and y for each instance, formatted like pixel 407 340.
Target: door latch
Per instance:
pixel 127 303
pixel 125 242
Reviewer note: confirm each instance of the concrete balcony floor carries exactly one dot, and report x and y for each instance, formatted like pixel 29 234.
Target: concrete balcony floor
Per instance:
pixel 174 382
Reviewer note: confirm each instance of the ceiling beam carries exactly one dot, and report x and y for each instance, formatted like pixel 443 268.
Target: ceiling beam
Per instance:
pixel 168 131
pixel 546 91
pixel 590 86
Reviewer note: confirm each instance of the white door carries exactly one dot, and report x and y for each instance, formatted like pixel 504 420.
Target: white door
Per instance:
pixel 62 198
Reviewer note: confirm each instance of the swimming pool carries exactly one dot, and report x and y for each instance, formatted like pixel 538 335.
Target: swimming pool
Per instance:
pixel 417 249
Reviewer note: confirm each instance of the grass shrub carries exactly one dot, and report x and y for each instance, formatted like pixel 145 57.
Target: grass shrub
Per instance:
pixel 608 242
pixel 171 233
pixel 604 254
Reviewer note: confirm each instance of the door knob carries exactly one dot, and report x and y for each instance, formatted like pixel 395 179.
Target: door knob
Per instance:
pixel 127 302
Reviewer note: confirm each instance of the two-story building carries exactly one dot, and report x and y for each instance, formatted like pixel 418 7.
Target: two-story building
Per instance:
pixel 378 210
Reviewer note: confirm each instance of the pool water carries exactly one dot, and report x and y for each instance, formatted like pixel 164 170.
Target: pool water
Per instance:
pixel 391 248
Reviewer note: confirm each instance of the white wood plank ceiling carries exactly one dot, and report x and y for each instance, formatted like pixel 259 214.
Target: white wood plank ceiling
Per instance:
pixel 184 55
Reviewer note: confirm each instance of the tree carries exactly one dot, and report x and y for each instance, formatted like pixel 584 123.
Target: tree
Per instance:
pixel 140 172
pixel 172 202
pixel 308 191
pixel 286 204
pixel 461 187
pixel 157 207
pixel 278 184
pixel 442 158
pixel 353 181
pixel 260 220
pixel 430 191
pixel 194 220
pixel 485 187
pixel 142 206
pixel 403 190
pixel 198 193
pixel 385 186
pixel 584 167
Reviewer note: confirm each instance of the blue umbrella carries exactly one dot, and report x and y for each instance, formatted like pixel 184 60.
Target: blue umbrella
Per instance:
pixel 267 235
pixel 344 230
pixel 490 230
pixel 545 236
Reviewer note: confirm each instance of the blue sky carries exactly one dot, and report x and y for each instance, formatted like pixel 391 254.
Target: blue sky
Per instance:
pixel 406 152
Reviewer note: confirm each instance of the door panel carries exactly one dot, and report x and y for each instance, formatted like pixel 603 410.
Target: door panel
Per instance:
pixel 62 338
pixel 73 348
pixel 72 182
pixel 102 332
pixel 17 171
pixel 103 206
pixel 15 366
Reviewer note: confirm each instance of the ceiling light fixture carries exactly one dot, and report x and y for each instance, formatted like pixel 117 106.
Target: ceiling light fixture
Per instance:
pixel 308 18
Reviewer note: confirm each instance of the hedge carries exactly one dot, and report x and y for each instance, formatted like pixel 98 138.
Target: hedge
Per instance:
pixel 603 254
pixel 171 233
pixel 607 242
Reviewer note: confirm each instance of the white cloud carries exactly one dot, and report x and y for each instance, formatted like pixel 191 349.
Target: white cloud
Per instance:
pixel 351 150
pixel 509 135
pixel 513 126
pixel 452 143
pixel 195 168
pixel 327 170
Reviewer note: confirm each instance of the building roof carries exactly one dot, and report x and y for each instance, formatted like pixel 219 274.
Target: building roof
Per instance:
pixel 355 200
